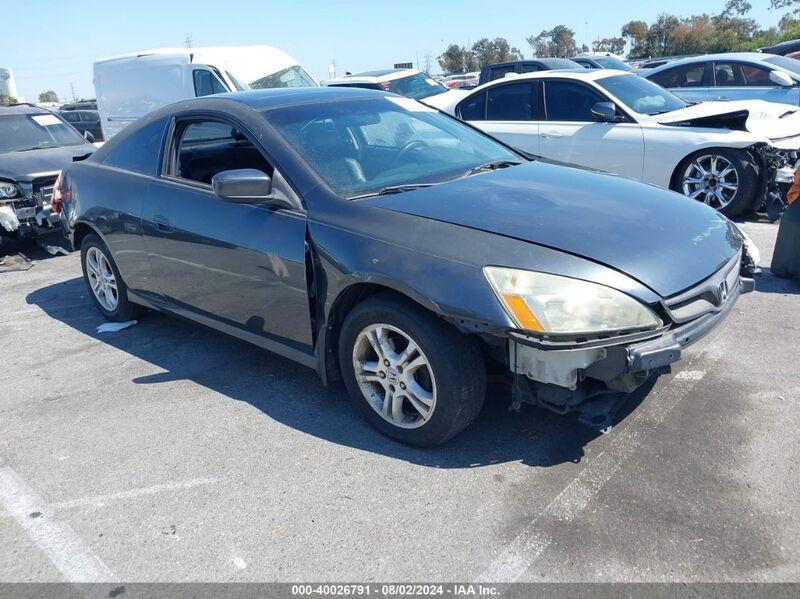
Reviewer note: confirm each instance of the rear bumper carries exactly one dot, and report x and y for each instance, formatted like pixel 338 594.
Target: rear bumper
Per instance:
pixel 619 365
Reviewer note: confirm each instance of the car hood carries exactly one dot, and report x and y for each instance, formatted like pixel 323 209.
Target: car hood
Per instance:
pixel 446 101
pixel 660 238
pixel 780 123
pixel 24 166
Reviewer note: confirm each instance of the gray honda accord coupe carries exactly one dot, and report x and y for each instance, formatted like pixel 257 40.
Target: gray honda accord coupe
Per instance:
pixel 381 242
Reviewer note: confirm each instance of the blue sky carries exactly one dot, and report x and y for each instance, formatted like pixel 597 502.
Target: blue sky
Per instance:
pixel 52 43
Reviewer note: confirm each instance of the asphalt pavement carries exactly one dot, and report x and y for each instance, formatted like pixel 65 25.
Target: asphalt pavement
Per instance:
pixel 168 452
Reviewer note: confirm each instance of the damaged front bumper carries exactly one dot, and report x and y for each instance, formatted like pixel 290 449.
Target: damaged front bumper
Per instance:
pixel 30 214
pixel 779 165
pixel 560 376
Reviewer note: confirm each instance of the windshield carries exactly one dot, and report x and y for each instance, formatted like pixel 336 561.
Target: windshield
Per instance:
pixel 294 76
pixel 416 86
pixel 612 62
pixel 790 64
pixel 641 95
pixel 34 131
pixel 362 146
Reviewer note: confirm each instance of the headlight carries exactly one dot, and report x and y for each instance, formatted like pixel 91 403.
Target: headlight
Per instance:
pixel 561 305
pixel 7 190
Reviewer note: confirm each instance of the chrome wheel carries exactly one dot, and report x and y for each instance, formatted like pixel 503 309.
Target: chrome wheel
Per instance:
pixel 394 376
pixel 713 179
pixel 101 279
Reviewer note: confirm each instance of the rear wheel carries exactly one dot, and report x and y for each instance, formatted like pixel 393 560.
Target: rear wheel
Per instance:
pixel 726 180
pixel 414 377
pixel 106 287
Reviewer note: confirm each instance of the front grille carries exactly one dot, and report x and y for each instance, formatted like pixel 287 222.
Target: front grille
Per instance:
pixel 43 190
pixel 709 296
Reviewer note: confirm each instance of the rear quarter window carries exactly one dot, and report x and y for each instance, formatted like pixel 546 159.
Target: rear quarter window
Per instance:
pixel 140 151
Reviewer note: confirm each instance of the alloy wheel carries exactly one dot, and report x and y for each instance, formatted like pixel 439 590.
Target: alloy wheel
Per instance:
pixel 101 279
pixel 394 376
pixel 712 179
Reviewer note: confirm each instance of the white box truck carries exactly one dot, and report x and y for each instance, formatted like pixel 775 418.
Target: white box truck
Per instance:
pixel 131 85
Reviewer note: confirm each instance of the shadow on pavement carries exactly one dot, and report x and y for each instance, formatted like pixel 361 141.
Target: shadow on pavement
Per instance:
pixel 769 283
pixel 293 395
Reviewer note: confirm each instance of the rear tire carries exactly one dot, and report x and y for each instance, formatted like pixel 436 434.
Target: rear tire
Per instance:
pixel 727 180
pixel 106 287
pixel 413 376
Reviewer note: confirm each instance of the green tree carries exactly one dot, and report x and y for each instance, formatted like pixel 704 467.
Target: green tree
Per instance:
pixel 488 51
pixel 615 45
pixel 7 100
pixel 778 4
pixel 635 34
pixel 557 42
pixel 48 96
pixel 659 35
pixel 452 59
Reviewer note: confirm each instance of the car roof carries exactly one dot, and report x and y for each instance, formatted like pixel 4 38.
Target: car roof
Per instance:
pixel 263 99
pixel 372 76
pixel 780 46
pixel 23 109
pixel 580 73
pixel 745 56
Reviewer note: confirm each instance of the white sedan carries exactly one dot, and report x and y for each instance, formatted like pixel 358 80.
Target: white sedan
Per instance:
pixel 726 154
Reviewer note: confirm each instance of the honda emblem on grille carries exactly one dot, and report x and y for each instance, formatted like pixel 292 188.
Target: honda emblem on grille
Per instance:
pixel 722 292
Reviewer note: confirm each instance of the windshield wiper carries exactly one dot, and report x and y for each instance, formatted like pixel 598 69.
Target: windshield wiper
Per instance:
pixel 40 146
pixel 392 189
pixel 490 166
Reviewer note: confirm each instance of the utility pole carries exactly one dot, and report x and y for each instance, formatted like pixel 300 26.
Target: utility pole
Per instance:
pixel 188 41
pixel 428 63
pixel 72 89
pixel 332 68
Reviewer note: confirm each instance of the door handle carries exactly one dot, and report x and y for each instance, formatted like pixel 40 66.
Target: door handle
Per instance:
pixel 551 134
pixel 162 224
pixel 720 99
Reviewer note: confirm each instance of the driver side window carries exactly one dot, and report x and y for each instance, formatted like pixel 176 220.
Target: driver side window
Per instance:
pixel 204 148
pixel 570 101
pixel 206 83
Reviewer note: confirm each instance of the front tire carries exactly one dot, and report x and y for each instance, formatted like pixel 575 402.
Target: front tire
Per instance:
pixel 106 287
pixel 726 180
pixel 414 377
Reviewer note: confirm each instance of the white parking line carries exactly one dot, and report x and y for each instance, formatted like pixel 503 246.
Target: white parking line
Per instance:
pixel 525 548
pixel 62 546
pixel 102 500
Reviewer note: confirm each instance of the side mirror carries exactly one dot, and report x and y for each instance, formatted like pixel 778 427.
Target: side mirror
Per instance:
pixel 87 135
pixel 781 78
pixel 242 186
pixel 606 112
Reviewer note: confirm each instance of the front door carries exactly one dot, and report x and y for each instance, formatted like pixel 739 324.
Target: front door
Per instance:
pixel 571 133
pixel 240 265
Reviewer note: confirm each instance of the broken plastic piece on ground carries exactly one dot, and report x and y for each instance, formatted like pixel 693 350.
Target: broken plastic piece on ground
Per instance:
pixel 113 327
pixel 15 262
pixel 51 248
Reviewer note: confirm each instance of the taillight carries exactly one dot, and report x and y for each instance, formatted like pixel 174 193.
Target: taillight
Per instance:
pixel 58 197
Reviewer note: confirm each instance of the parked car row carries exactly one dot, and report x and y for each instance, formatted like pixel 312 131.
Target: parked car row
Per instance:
pixel 617 122
pixel 407 247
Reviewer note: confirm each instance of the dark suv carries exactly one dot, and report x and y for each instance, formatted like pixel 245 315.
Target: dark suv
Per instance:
pixel 499 70
pixel 35 145
pixel 85 121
